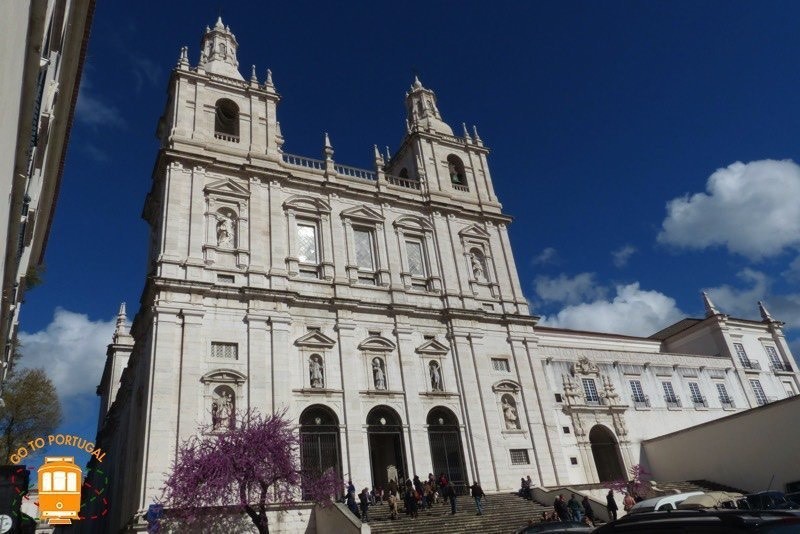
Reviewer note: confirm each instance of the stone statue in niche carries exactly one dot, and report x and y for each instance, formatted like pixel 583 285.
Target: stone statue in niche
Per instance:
pixel 226 234
pixel 477 266
pixel 510 413
pixel 378 374
pixel 316 372
pixel 222 410
pixel 436 377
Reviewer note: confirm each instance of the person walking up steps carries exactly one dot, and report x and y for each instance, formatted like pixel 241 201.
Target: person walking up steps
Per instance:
pixel 611 504
pixel 477 494
pixel 450 493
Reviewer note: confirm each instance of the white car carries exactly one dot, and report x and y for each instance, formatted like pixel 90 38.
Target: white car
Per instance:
pixel 665 502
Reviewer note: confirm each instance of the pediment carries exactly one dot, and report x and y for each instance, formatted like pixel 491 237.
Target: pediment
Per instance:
pixel 475 231
pixel 306 203
pixel 363 213
pixel 377 343
pixel 413 223
pixel 315 340
pixel 228 376
pixel 433 346
pixel 228 188
pixel 506 385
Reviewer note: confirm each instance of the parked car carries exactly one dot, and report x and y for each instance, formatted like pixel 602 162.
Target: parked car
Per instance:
pixel 715 499
pixel 664 502
pixel 706 522
pixel 794 497
pixel 556 527
pixel 770 500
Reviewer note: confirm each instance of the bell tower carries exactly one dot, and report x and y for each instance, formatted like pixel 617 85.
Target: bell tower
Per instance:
pixel 218 51
pixel 422 110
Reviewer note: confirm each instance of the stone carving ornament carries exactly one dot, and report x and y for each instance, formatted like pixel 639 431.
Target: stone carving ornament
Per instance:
pixel 222 411
pixel 226 234
pixel 378 374
pixel 510 413
pixel 585 367
pixel 315 372
pixel 436 377
pixel 477 266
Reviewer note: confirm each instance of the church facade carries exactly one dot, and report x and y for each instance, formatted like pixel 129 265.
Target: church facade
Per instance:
pixel 383 310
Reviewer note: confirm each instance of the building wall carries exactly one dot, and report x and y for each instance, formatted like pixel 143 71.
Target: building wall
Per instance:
pixel 744 450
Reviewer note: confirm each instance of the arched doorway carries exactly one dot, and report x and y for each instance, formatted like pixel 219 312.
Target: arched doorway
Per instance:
pixel 386 448
pixel 319 441
pixel 607 458
pixel 447 454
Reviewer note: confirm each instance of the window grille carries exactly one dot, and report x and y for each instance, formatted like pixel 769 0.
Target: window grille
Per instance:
pixel 519 457
pixel 500 364
pixel 742 354
pixel 365 255
pixel 638 392
pixel 590 390
pixel 225 351
pixel 761 397
pixel 416 261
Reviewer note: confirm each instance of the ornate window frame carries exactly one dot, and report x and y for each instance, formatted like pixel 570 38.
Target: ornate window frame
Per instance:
pixel 307 209
pixel 365 218
pixel 434 350
pixel 410 228
pixel 221 377
pixel 503 389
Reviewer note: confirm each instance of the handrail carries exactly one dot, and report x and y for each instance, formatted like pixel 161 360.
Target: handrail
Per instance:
pixel 355 172
pixel 403 182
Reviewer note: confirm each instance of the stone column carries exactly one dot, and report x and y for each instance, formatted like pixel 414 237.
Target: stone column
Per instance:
pixel 356 442
pixel 279 361
pixel 259 363
pixel 414 418
pixel 278 233
pixel 193 349
pixel 259 233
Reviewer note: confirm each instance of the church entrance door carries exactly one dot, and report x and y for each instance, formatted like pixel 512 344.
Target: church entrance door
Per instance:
pixel 447 455
pixel 607 457
pixel 386 449
pixel 319 442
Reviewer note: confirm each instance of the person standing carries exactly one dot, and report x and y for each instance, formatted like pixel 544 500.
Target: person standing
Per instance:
pixel 351 500
pixel 450 493
pixel 477 494
pixel 574 509
pixel 530 488
pixel 560 508
pixel 611 505
pixel 587 509
pixel 392 504
pixel 363 498
pixel 628 502
pixel 443 483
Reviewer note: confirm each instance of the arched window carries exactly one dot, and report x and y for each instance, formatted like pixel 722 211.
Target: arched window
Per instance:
pixel 226 120
pixel 456 167
pixel 223 408
pixel 404 173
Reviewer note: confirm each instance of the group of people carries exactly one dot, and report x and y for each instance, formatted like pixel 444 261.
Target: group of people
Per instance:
pixel 525 488
pixel 414 494
pixel 571 510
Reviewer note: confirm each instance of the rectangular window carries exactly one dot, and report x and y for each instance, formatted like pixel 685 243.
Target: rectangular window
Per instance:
pixel 59 481
pixel 416 260
pixel 565 429
pixel 723 395
pixel 72 482
pixel 742 354
pixel 519 457
pixel 637 391
pixel 47 482
pixel 590 390
pixel 788 388
pixel 697 397
pixel 365 249
pixel 225 351
pixel 761 398
pixel 500 364
pixel 559 398
pixel 774 359
pixel 307 245
pixel 573 460
pixel 669 394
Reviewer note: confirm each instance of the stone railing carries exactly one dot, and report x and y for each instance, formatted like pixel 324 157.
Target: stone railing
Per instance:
pixel 750 364
pixel 460 187
pixel 403 182
pixel 226 137
pixel 641 401
pixel 672 402
pixel 355 172
pixel 726 402
pixel 300 161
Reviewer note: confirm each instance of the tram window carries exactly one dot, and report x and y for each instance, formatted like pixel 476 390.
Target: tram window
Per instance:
pixel 72 482
pixel 59 481
pixel 47 482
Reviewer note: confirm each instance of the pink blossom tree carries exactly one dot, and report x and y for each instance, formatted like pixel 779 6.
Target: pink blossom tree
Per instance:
pixel 638 484
pixel 247 467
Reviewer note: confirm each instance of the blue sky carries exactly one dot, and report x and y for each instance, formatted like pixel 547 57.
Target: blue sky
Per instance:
pixel 615 129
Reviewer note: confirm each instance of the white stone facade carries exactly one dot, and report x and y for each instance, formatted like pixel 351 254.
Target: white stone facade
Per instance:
pixel 385 302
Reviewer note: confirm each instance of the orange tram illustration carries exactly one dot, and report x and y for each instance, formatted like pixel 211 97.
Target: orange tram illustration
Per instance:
pixel 60 483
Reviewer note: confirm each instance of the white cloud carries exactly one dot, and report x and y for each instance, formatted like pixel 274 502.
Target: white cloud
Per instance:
pixel 622 255
pixel 633 311
pixel 548 255
pixel 741 302
pixel 793 272
pixel 71 350
pixel 568 290
pixel 92 110
pixel 752 209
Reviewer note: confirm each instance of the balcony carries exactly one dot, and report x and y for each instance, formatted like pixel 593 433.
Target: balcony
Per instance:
pixel 699 401
pixel 226 137
pixel 594 402
pixel 749 364
pixel 727 403
pixel 779 367
pixel 672 401
pixel 765 400
pixel 640 401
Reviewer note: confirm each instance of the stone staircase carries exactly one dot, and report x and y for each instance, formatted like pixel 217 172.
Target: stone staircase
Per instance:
pixel 694 485
pixel 503 513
